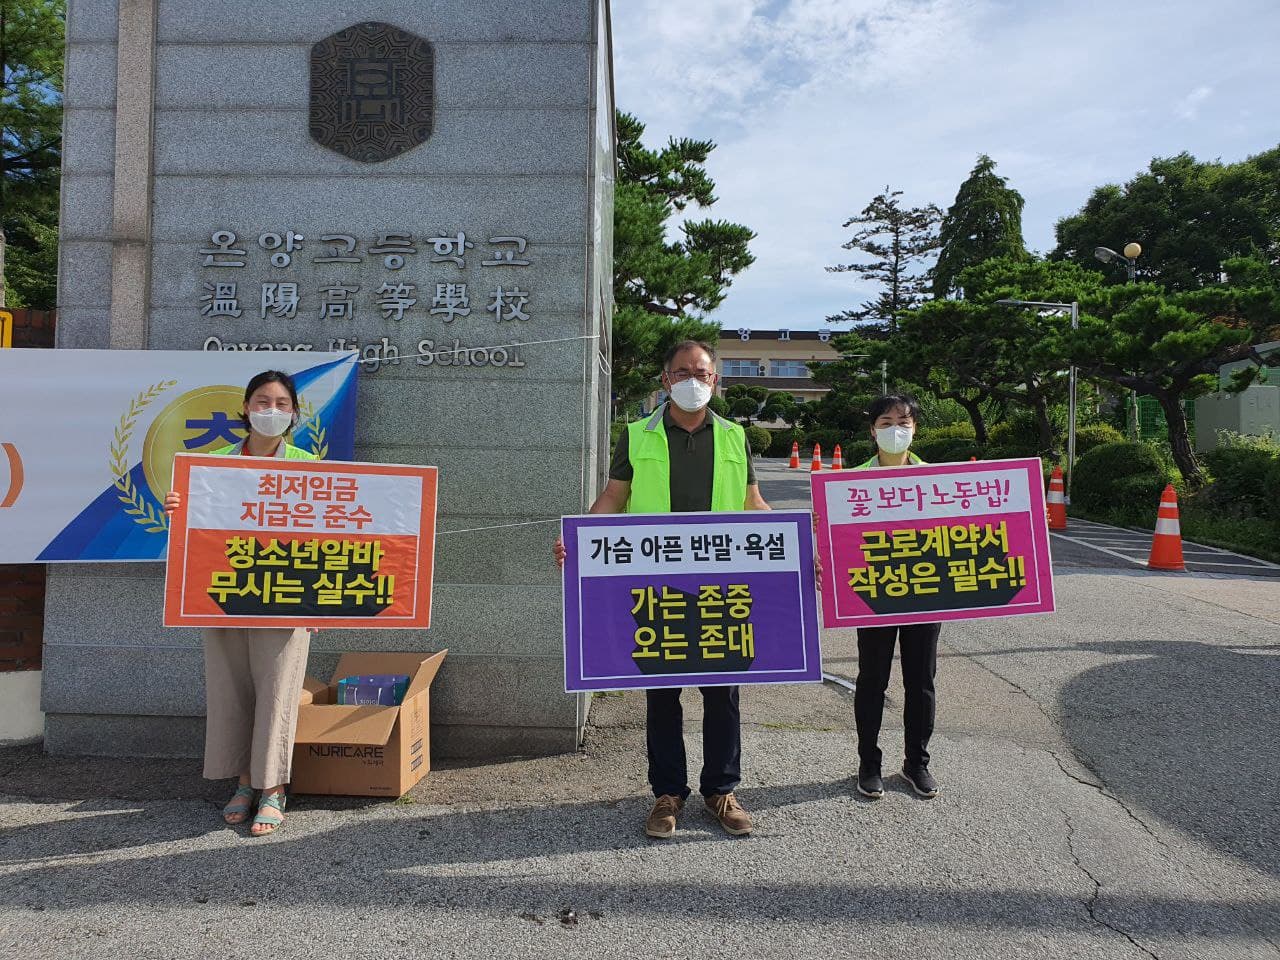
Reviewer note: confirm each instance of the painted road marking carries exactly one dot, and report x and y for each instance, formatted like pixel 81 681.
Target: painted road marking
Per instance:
pixel 1133 547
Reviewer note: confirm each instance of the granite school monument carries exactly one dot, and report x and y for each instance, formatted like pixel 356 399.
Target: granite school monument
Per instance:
pixel 429 183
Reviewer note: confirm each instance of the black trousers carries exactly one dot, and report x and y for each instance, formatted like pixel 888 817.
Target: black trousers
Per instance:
pixel 919 653
pixel 721 741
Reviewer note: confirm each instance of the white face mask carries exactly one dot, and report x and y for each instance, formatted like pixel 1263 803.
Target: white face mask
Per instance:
pixel 894 439
pixel 691 395
pixel 270 423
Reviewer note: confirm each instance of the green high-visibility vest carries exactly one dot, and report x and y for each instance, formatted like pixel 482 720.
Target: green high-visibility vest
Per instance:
pixel 651 465
pixel 874 462
pixel 290 452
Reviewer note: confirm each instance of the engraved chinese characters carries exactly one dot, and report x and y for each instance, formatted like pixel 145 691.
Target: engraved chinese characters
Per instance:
pixel 372 91
pixel 345 287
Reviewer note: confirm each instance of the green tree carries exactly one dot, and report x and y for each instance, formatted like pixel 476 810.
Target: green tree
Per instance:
pixel 850 388
pixel 981 355
pixel 782 406
pixel 1189 216
pixel 1170 345
pixel 663 288
pixel 984 223
pixel 897 239
pixel 746 401
pixel 31 52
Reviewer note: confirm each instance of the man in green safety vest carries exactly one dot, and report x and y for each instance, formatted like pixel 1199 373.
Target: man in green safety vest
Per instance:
pixel 685 458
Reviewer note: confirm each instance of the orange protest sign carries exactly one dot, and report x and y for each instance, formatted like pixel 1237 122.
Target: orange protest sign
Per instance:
pixel 269 542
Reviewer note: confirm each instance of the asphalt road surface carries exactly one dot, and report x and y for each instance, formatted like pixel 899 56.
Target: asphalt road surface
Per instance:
pixel 1108 779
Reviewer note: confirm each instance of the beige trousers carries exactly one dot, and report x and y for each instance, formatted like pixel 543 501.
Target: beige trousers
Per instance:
pixel 252 681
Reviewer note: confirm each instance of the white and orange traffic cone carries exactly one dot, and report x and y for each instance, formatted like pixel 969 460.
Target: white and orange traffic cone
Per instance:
pixel 1166 545
pixel 837 459
pixel 816 463
pixel 795 455
pixel 1057 501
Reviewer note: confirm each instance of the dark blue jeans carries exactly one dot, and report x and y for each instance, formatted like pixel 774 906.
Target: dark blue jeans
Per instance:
pixel 918 643
pixel 721 741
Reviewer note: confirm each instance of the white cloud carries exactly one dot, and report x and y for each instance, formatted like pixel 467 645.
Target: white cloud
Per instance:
pixel 1188 108
pixel 816 105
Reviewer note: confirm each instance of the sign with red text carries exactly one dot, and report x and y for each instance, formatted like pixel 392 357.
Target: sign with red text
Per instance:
pixel 929 543
pixel 270 542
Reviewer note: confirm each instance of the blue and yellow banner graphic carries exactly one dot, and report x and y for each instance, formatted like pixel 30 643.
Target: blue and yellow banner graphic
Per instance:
pixel 88 437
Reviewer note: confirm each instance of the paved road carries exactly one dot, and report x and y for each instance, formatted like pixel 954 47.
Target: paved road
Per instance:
pixel 1084 543
pixel 1108 791
pixel 1114 546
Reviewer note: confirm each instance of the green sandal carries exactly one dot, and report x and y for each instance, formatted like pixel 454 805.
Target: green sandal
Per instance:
pixel 276 801
pixel 238 806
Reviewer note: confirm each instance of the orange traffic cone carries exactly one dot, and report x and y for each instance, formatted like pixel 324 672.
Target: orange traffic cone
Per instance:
pixel 1166 545
pixel 795 455
pixel 816 463
pixel 1057 501
pixel 837 459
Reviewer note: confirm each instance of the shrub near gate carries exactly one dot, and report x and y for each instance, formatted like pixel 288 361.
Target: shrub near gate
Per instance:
pixel 760 439
pixel 1121 477
pixel 1239 467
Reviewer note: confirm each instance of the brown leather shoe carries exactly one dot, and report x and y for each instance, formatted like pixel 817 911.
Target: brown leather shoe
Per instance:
pixel 662 818
pixel 726 808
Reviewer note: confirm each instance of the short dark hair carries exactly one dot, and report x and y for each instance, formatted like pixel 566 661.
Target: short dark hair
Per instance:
pixel 270 376
pixel 684 345
pixel 891 401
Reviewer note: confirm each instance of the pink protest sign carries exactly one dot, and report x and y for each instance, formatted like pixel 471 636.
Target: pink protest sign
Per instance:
pixel 953 541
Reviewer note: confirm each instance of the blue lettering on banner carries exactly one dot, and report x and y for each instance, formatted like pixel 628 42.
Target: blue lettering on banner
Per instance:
pixel 218 427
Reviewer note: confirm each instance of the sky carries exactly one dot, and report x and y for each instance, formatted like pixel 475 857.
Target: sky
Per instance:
pixel 817 105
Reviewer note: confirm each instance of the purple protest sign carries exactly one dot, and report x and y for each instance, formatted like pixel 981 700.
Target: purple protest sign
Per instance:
pixel 689 599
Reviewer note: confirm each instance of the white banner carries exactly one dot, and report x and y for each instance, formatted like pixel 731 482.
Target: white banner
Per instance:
pixel 88 437
pixel 279 497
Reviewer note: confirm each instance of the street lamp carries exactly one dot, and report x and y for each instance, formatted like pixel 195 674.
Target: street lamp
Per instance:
pixel 1073 308
pixel 1130 260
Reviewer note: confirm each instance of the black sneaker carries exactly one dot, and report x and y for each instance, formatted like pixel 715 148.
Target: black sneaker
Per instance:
pixel 869 784
pixel 921 780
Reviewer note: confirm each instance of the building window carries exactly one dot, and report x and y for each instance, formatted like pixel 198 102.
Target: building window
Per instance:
pixel 741 368
pixel 788 368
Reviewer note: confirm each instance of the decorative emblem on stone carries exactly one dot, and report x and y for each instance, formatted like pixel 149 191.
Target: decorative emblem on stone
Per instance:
pixel 372 91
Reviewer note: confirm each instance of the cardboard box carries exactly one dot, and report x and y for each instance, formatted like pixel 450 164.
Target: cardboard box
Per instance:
pixel 365 751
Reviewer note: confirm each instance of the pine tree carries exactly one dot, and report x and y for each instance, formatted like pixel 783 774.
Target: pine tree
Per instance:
pixel 664 289
pixel 985 222
pixel 898 240
pixel 31 52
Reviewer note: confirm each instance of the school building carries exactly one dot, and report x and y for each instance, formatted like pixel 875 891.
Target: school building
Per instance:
pixel 776 359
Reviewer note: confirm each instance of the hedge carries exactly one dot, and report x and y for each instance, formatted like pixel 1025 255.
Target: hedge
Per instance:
pixel 1120 476
pixel 1095 435
pixel 1271 490
pixel 1240 474
pixel 945 449
pixel 760 439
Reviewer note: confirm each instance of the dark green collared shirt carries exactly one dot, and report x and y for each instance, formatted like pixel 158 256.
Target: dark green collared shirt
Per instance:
pixel 692 463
